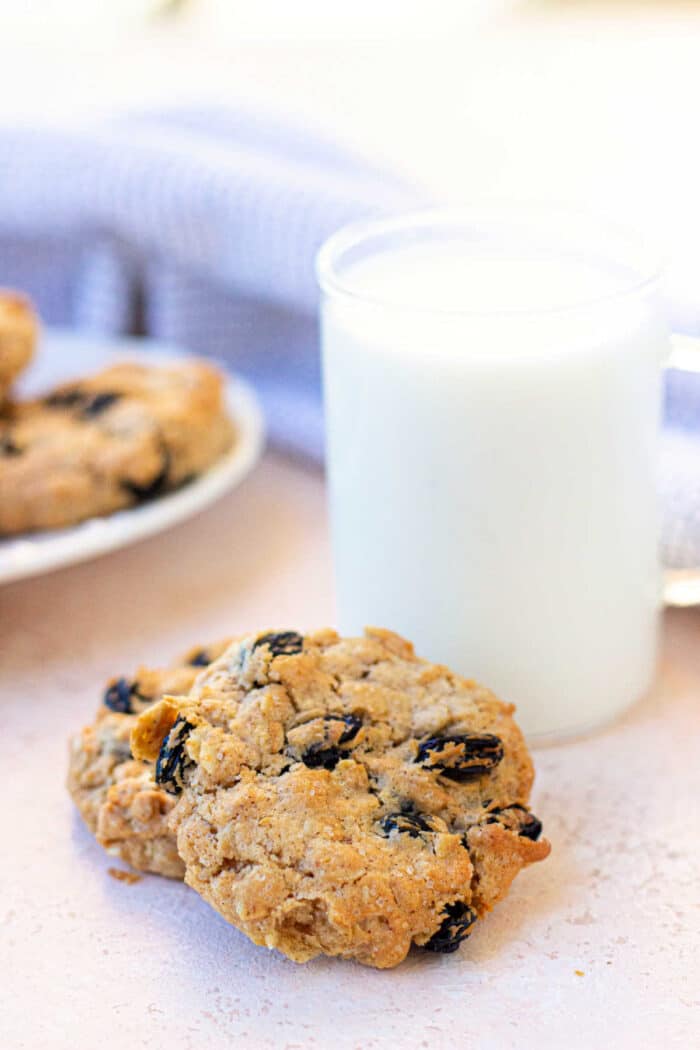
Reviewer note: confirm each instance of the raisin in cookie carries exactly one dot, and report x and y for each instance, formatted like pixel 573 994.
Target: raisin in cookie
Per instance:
pixel 108 441
pixel 18 332
pixel 342 796
pixel 115 793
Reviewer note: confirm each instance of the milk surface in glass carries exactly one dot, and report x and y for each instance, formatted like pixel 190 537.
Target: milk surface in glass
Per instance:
pixel 492 415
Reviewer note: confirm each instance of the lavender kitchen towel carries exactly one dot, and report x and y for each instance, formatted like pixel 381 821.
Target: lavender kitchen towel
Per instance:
pixel 197 228
pixel 200 228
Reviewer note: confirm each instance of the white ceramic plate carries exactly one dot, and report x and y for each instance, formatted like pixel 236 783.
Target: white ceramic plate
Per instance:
pixel 64 355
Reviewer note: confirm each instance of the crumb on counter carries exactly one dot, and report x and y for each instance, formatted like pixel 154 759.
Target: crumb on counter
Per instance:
pixel 120 875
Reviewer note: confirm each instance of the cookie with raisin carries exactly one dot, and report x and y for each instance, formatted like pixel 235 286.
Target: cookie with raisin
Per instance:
pixel 120 437
pixel 341 796
pixel 115 793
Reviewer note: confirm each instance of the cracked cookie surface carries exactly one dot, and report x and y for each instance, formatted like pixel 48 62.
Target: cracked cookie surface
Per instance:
pixel 115 793
pixel 107 441
pixel 342 796
pixel 18 335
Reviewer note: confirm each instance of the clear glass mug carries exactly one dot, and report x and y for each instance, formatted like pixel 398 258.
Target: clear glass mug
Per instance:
pixel 492 385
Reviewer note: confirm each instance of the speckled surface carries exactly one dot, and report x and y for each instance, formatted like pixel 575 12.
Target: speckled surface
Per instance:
pixel 598 947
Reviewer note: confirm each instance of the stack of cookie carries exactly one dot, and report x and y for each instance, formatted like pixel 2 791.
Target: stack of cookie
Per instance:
pixel 104 442
pixel 326 795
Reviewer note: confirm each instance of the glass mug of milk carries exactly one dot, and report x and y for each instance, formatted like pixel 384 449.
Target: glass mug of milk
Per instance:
pixel 492 385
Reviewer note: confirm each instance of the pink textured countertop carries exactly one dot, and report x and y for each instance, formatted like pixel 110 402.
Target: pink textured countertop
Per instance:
pixel 598 947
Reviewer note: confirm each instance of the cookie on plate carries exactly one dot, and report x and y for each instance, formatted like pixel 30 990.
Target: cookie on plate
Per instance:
pixel 18 333
pixel 341 796
pixel 116 794
pixel 111 440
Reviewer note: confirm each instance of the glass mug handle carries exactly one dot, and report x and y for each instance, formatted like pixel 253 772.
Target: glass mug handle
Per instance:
pixel 682 586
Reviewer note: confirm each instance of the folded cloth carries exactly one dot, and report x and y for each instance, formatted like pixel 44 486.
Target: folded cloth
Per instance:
pixel 200 227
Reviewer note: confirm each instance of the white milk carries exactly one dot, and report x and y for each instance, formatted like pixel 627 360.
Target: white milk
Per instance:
pixel 492 474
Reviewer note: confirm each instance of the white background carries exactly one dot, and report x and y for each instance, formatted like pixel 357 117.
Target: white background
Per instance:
pixel 593 102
